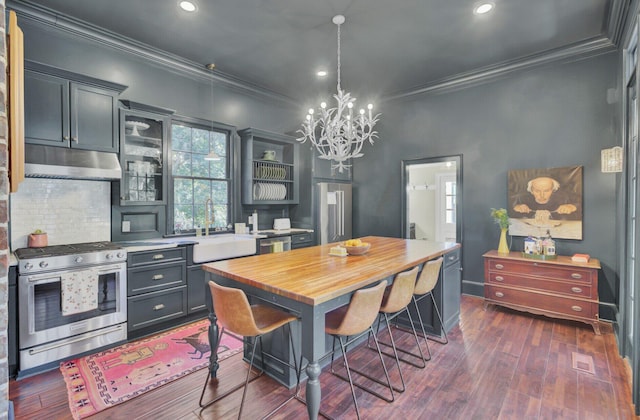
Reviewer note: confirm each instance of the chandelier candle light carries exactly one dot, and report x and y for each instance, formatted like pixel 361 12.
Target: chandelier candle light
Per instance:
pixel 335 133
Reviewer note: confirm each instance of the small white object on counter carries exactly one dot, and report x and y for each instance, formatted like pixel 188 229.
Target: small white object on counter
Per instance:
pixel 338 251
pixel 282 224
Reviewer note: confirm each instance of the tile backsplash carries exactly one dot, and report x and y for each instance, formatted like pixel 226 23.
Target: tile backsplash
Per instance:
pixel 70 211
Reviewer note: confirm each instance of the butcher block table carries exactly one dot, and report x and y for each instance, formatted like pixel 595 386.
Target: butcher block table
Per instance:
pixel 310 282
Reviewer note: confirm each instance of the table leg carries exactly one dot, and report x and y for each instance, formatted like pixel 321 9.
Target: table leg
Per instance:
pixel 313 390
pixel 214 333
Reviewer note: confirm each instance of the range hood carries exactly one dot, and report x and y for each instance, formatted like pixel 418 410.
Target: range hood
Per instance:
pixel 61 162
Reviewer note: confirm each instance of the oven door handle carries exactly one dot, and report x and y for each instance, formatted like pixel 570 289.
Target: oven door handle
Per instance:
pixel 83 337
pixel 53 277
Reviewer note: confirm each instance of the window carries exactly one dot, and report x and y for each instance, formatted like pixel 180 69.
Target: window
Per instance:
pixel 194 180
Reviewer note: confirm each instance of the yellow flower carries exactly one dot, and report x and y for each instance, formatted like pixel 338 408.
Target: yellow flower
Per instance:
pixel 501 217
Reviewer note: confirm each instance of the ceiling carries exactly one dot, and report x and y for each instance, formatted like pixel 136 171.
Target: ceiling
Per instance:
pixel 388 47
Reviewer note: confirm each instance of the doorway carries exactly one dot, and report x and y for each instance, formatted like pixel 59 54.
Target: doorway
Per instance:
pixel 432 199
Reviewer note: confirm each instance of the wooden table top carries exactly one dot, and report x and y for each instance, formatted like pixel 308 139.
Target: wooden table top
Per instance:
pixel 312 276
pixel 560 259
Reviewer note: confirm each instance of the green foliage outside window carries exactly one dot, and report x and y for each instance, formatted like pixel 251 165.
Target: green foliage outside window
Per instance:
pixel 196 179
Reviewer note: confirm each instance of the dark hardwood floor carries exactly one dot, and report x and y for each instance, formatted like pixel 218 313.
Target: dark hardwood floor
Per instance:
pixel 499 364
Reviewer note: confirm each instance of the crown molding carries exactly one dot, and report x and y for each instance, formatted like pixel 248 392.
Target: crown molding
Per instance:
pixel 574 52
pixel 41 15
pixel 615 23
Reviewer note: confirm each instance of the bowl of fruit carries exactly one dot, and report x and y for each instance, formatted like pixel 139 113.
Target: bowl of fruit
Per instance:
pixel 356 246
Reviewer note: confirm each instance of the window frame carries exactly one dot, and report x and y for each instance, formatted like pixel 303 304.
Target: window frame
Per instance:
pixel 231 176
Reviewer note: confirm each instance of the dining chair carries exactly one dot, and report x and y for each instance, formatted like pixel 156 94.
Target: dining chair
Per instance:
pixel 236 317
pixel 424 287
pixel 355 320
pixel 396 300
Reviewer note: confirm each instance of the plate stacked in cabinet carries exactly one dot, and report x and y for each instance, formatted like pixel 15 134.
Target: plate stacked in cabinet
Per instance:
pixel 272 180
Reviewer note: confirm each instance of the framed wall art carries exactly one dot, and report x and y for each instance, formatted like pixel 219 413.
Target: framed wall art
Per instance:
pixel 542 200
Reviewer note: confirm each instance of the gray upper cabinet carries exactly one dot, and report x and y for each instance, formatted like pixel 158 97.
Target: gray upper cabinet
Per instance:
pixel 270 172
pixel 143 152
pixel 65 109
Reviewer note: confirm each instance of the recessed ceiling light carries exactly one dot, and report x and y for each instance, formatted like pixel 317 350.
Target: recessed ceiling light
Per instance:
pixel 483 8
pixel 188 6
pixel 321 73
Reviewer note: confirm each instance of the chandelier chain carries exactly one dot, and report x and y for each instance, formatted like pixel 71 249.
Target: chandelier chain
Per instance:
pixel 339 58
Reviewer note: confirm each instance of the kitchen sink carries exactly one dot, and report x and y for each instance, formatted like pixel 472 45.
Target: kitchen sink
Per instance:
pixel 220 247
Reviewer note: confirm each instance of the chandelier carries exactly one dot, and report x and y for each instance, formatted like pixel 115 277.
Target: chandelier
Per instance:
pixel 336 134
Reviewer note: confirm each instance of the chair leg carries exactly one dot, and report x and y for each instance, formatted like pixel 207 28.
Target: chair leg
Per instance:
pixel 421 357
pixel 297 370
pixel 424 333
pixel 363 374
pixel 394 355
pixel 446 339
pixel 230 391
pixel 346 364
pixel 246 382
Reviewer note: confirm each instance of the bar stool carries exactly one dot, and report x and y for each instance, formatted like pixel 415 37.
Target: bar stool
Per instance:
pixel 237 317
pixel 396 300
pixel 424 287
pixel 354 320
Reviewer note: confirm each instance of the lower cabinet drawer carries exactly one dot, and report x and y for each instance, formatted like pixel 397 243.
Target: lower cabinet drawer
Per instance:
pixel 537 302
pixel 155 307
pixel 151 278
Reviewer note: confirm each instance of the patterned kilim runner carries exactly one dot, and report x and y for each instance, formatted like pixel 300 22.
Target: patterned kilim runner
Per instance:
pixel 102 380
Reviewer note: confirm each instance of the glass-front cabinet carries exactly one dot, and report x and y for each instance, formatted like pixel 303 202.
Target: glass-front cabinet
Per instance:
pixel 143 137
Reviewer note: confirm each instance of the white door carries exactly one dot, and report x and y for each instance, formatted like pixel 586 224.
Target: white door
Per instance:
pixel 446 207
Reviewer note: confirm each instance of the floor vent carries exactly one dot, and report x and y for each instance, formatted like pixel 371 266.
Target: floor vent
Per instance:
pixel 582 362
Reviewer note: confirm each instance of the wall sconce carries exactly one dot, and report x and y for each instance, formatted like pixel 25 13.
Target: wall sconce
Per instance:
pixel 611 159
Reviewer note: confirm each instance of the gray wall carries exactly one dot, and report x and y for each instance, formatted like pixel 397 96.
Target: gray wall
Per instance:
pixel 540 118
pixel 155 84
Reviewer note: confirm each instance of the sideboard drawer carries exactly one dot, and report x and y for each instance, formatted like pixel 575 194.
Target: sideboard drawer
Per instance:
pixel 574 289
pixel 547 270
pixel 534 302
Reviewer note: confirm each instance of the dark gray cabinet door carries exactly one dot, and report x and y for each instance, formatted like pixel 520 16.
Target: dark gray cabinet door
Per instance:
pixel 451 289
pixel 64 113
pixel 196 289
pixel 46 109
pixel 94 119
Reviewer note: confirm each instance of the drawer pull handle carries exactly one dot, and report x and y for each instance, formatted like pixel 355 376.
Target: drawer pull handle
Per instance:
pixel 158 257
pixel 157 277
pixel 576 308
pixel 499 266
pixel 499 294
pixel 576 290
pixel 158 307
pixel 499 278
pixel 576 275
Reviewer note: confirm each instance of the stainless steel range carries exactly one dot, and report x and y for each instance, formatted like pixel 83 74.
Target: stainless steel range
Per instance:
pixel 72 299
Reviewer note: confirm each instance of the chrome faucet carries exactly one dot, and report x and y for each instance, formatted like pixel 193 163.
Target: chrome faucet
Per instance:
pixel 208 207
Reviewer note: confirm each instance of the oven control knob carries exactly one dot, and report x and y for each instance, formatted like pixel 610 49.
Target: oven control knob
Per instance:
pixel 109 256
pixel 79 259
pixel 44 264
pixel 120 254
pixel 28 266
